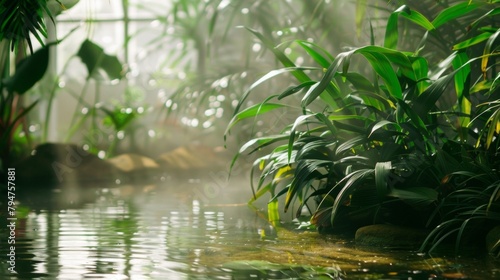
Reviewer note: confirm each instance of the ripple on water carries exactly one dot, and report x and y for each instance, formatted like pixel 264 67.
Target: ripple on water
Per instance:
pixel 171 235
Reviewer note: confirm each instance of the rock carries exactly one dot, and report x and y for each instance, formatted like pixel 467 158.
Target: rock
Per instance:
pixel 390 236
pixel 493 241
pixel 54 164
pixel 136 168
pixel 133 163
pixel 191 159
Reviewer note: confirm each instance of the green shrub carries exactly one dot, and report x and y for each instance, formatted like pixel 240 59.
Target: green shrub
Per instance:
pixel 384 144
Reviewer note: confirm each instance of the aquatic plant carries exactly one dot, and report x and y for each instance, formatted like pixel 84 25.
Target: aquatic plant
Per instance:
pixel 383 143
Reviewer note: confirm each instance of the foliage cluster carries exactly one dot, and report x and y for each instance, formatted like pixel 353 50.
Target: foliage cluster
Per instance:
pixel 410 138
pixel 22 20
pixel 198 78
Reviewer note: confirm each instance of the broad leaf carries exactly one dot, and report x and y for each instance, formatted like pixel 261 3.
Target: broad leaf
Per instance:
pixel 28 71
pixel 251 112
pixel 454 12
pixel 94 58
pixel 391 33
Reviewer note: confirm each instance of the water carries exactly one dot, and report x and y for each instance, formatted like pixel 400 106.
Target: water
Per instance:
pixel 194 230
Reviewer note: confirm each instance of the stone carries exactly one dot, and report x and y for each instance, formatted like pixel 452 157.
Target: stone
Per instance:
pixel 391 236
pixel 191 159
pixel 54 164
pixel 136 169
pixel 493 241
pixel 133 163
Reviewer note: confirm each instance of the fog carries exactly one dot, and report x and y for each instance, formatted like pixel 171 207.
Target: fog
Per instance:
pixel 184 70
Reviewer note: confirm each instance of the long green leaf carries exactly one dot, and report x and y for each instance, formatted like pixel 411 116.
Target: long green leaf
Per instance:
pixel 265 78
pixel 305 172
pixel 383 67
pixel 360 15
pixel 359 81
pixel 261 142
pixel 378 57
pixel 391 33
pixel 487 50
pixel 352 180
pixel 382 172
pixel 494 122
pixel 253 111
pixel 317 89
pixel 294 89
pixel 383 123
pixel 299 74
pixel 312 48
pixel 416 196
pixel 454 12
pixel 473 41
pixel 462 85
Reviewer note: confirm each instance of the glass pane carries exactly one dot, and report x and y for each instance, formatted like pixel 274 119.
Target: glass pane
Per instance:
pixel 149 8
pixel 88 9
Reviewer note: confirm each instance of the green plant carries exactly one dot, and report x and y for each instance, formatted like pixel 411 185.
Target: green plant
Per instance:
pixel 100 67
pixel 20 20
pixel 380 149
pixel 28 72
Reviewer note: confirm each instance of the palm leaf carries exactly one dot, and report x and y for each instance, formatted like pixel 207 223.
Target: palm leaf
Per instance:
pixel 251 112
pixel 415 196
pixel 454 12
pixel 382 174
pixel 352 180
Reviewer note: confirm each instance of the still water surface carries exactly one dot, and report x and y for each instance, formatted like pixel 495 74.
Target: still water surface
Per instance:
pixel 183 230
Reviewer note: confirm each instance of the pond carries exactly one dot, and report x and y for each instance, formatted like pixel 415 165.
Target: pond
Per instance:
pixel 194 230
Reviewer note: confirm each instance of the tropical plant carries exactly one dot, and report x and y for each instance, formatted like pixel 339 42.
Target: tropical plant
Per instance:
pixel 28 72
pixel 100 67
pixel 386 148
pixel 20 20
pixel 31 69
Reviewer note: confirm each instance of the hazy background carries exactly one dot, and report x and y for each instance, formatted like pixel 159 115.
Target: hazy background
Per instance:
pixel 187 63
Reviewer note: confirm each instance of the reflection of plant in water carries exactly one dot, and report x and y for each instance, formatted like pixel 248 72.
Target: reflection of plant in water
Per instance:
pixel 254 268
pixel 381 147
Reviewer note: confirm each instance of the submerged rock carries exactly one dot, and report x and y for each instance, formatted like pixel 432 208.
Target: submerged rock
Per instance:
pixel 390 236
pixel 58 164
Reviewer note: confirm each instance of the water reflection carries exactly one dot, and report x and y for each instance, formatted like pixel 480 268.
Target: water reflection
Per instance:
pixel 157 235
pixel 172 233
